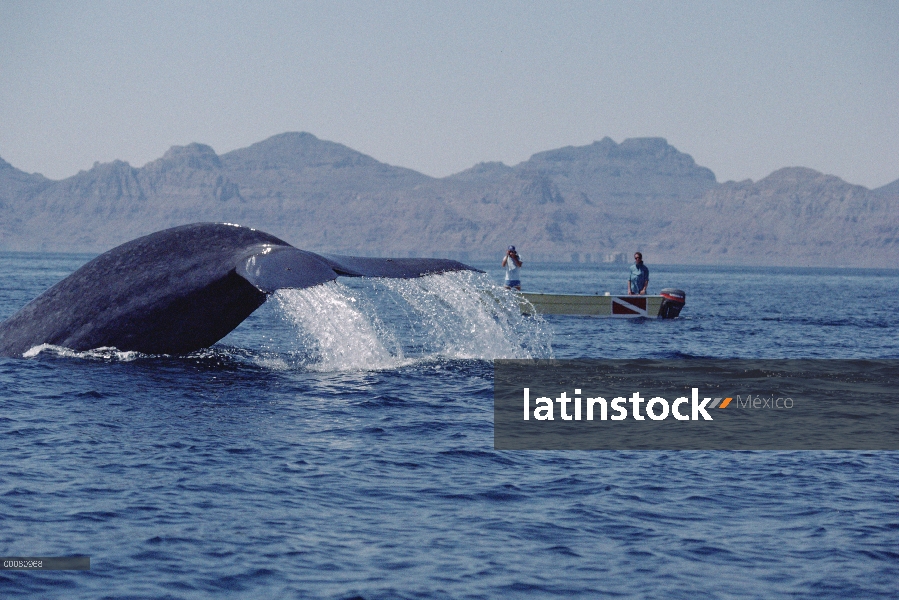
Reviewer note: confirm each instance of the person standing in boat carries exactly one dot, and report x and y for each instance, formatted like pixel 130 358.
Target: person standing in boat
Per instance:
pixel 512 263
pixel 639 279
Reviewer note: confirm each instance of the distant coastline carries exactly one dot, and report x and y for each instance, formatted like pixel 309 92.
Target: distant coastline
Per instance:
pixel 574 204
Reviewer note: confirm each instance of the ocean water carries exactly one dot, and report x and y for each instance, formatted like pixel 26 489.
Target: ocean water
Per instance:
pixel 339 444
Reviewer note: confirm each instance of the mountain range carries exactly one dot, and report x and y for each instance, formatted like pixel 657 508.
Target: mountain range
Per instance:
pixel 592 203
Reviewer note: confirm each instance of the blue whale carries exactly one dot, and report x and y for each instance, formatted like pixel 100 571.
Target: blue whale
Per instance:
pixel 182 289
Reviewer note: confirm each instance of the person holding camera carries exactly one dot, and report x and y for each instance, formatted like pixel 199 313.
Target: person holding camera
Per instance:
pixel 512 263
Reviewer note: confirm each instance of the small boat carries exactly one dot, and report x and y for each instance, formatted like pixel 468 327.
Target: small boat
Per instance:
pixel 666 305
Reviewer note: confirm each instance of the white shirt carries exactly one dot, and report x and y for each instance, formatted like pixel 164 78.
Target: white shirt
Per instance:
pixel 512 269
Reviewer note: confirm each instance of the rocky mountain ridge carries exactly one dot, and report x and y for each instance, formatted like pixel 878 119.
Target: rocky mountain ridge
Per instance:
pixel 590 203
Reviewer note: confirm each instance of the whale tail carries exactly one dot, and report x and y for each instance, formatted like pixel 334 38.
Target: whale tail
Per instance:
pixel 182 289
pixel 271 268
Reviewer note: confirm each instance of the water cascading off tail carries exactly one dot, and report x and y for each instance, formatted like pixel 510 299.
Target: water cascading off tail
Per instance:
pixel 363 324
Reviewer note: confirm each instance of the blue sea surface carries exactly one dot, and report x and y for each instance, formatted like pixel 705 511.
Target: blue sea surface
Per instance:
pixel 339 443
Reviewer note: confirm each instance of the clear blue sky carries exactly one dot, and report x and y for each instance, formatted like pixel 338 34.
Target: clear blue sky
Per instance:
pixel 744 87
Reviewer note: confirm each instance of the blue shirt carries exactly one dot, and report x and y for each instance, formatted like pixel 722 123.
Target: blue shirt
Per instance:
pixel 639 277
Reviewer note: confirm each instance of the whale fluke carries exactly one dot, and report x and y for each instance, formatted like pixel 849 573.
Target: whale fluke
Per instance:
pixel 182 289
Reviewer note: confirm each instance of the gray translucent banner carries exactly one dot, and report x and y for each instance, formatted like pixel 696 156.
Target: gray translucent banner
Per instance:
pixel 726 404
pixel 45 563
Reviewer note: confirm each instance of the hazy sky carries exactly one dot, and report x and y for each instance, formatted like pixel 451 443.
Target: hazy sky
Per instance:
pixel 744 87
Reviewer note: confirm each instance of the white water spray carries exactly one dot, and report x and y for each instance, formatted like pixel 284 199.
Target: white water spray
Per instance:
pixel 334 327
pixel 367 324
pixel 105 353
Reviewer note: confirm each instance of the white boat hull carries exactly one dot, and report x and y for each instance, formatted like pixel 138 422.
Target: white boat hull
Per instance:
pixel 623 307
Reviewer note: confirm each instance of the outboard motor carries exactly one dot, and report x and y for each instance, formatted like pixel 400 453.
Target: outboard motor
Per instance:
pixel 673 302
